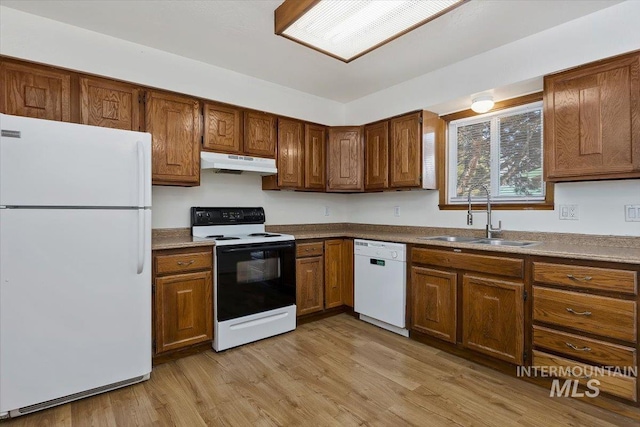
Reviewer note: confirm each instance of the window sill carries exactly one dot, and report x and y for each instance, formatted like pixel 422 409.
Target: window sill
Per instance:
pixel 500 207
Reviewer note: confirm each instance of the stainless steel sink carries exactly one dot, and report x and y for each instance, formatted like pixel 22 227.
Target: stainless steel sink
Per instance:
pixel 462 239
pixel 501 242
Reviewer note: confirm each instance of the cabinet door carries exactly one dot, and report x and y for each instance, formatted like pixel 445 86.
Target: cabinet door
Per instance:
pixel 184 310
pixel 109 104
pixel 314 157
pixel 345 153
pixel 376 153
pixel 493 317
pixel 32 91
pixel 174 123
pixel 333 273
pixel 405 158
pixel 309 285
pixel 592 121
pixel 347 270
pixel 434 302
pixel 259 134
pixel 290 157
pixel 222 129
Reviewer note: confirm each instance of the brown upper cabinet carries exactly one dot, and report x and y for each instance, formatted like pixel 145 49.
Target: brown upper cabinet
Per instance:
pixel 376 153
pixel 400 152
pixel 34 91
pixel 405 160
pixel 345 158
pixel 222 131
pixel 108 103
pixel 592 121
pixel 259 134
pixel 174 123
pixel 290 159
pixel 314 157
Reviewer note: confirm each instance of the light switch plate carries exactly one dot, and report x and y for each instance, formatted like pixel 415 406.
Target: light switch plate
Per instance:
pixel 569 212
pixel 632 213
pixel 396 211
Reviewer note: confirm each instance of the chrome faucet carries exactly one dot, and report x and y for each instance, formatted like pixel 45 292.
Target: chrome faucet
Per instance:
pixel 489 229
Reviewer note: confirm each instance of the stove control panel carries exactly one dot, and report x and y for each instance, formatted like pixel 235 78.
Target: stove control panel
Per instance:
pixel 223 216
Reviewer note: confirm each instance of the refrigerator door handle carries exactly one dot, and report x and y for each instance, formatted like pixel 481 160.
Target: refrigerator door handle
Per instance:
pixel 141 239
pixel 141 174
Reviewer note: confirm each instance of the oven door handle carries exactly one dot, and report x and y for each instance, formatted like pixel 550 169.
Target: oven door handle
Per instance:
pixel 253 248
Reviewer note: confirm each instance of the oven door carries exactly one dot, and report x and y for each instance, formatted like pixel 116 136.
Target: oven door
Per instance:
pixel 254 278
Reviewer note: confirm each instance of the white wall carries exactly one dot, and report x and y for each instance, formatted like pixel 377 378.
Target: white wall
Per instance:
pixel 600 205
pixel 607 32
pixel 170 205
pixel 38 39
pixel 512 69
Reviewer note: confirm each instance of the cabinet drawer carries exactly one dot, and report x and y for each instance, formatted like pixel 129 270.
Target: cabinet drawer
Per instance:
pixel 309 249
pixel 178 263
pixel 619 385
pixel 510 267
pixel 578 276
pixel 609 317
pixel 594 351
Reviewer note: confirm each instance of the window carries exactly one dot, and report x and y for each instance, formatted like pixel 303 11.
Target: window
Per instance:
pixel 500 150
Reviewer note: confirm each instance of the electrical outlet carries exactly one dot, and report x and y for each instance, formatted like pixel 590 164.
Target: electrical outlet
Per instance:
pixel 396 211
pixel 327 211
pixel 569 212
pixel 632 213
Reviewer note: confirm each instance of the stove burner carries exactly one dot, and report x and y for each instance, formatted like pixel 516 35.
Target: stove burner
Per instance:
pixel 214 236
pixel 227 238
pixel 263 235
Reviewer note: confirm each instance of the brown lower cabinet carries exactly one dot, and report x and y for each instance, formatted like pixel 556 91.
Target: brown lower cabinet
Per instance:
pixel 324 275
pixel 434 296
pixel 183 298
pixel 493 317
pixel 473 300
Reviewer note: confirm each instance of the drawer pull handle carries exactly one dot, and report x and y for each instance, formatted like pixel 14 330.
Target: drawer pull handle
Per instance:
pixel 584 377
pixel 186 263
pixel 579 313
pixel 307 250
pixel 579 279
pixel 572 346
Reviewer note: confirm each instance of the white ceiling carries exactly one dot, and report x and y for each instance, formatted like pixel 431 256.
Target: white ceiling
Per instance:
pixel 238 35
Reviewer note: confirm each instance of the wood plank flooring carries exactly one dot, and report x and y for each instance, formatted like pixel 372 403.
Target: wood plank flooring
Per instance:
pixel 336 371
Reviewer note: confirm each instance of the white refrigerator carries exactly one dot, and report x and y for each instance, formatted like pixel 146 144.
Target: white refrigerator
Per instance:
pixel 75 261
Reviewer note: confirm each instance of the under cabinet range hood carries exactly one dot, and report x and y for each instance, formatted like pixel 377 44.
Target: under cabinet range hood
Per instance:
pixel 237 164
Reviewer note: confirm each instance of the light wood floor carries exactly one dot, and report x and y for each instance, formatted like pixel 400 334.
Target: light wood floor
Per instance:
pixel 337 371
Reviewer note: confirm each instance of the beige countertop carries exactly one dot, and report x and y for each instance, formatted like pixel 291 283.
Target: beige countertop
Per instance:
pixel 562 245
pixel 175 238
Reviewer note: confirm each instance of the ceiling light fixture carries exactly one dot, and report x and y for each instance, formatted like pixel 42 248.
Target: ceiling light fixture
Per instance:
pixel 482 103
pixel 347 29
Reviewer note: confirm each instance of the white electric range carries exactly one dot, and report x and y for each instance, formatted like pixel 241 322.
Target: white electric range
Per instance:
pixel 254 275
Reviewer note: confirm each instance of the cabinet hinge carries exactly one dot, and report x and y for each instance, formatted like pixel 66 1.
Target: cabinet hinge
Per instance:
pixel 525 295
pixel 142 98
pixel 153 343
pixel 524 356
pixel 202 140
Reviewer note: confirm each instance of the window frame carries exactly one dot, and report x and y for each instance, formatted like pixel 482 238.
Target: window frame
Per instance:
pixel 445 163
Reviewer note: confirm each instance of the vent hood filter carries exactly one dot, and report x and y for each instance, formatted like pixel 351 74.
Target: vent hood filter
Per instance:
pixel 236 164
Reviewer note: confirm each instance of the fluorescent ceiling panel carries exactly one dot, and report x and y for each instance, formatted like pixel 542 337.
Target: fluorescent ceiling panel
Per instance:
pixel 346 29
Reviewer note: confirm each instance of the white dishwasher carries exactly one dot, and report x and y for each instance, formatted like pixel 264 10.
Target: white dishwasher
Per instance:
pixel 381 284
